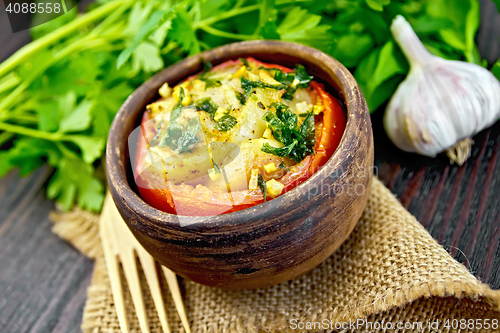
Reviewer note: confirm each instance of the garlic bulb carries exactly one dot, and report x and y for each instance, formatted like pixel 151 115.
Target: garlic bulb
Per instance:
pixel 441 103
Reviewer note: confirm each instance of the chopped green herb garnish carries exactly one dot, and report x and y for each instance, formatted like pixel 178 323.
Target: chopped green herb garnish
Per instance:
pixel 282 165
pixel 246 64
pixel 176 112
pixel 209 83
pixel 260 105
pixel 298 141
pixel 204 75
pixel 287 79
pixel 173 130
pixel 207 65
pixel 302 76
pixel 307 129
pixel 262 185
pixel 281 152
pixel 177 136
pixel 188 136
pixel 282 77
pixel 241 97
pixel 284 114
pixel 248 85
pixel 216 167
pixel 299 73
pixel 206 104
pixel 225 123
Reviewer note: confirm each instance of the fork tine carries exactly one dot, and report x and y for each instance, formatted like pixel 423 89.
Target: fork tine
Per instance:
pixel 173 285
pixel 117 290
pixel 127 247
pixel 149 267
pixel 124 241
pixel 129 265
pixel 112 265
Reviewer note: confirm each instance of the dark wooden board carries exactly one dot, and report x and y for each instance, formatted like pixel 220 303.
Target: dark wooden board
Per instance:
pixel 43 280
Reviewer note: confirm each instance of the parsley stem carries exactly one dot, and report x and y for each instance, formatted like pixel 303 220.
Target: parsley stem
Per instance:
pixel 237 10
pixel 10 81
pixel 67 152
pixel 226 15
pixel 34 133
pixel 169 47
pixel 204 45
pixel 238 3
pixel 220 33
pixel 111 18
pixel 82 44
pixel 56 35
pixel 25 118
pixel 5 137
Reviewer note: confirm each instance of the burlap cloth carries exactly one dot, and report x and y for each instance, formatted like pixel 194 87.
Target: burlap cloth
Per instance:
pixel 389 270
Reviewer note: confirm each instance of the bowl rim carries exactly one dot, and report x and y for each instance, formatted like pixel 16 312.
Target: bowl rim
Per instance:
pixel 117 171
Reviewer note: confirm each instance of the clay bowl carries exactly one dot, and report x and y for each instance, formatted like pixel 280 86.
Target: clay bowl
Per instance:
pixel 271 242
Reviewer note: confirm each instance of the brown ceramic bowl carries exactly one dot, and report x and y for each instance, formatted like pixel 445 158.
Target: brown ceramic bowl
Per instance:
pixel 271 242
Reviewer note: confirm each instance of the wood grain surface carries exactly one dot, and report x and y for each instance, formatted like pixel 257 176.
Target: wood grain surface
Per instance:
pixel 43 280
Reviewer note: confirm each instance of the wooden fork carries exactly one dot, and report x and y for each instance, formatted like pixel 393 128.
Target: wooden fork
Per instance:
pixel 120 245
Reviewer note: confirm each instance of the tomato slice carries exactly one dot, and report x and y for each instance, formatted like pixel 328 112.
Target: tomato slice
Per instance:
pixel 334 123
pixel 200 201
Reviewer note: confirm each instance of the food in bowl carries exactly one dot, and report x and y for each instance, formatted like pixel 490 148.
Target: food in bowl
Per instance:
pixel 234 136
pixel 268 243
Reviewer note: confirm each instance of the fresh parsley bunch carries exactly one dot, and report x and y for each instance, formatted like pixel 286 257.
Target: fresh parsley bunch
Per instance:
pixel 59 94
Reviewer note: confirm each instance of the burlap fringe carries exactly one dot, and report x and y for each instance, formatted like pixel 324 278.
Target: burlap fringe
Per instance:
pixel 80 228
pixel 389 270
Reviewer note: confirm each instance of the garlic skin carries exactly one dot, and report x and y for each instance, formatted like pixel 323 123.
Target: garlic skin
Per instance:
pixel 441 103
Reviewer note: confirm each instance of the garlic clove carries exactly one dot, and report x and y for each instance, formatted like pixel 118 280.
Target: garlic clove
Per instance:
pixel 441 103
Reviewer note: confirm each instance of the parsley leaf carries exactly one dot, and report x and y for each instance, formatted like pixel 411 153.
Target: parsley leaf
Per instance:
pixel 298 141
pixel 206 104
pixel 75 179
pixel 496 69
pixel 177 136
pixel 225 123
pixel 301 75
pixel 287 79
pixel 300 26
pixel 153 23
pixel 241 97
pixel 91 147
pixel 48 117
pixel 183 33
pixel 248 86
pixel 246 64
pixel 281 152
pixel 209 83
pixel 262 185
pixel 25 153
pixel 188 136
pixel 147 57
pixel 205 75
pixel 377 5
pixel 78 119
pixel 207 66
